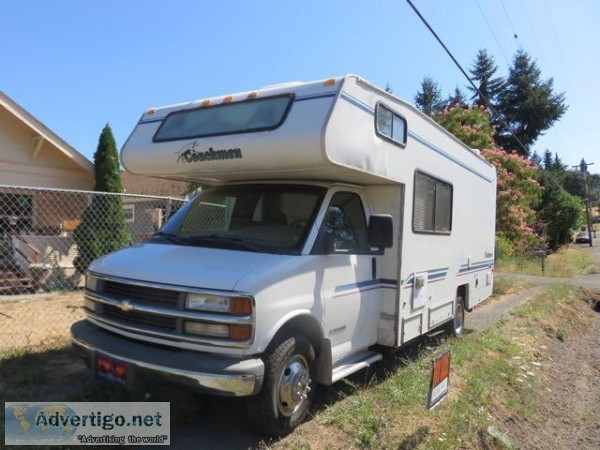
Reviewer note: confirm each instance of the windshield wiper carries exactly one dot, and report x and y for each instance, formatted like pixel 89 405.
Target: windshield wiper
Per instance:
pixel 169 237
pixel 214 238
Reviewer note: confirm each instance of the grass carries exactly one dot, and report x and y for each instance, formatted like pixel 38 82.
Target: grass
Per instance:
pixel 565 263
pixel 386 408
pixel 491 372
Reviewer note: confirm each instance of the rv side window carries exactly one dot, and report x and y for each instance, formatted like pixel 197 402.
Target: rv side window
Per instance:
pixel 390 125
pixel 432 206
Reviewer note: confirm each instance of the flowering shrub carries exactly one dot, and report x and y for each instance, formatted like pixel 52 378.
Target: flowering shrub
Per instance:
pixel 518 192
pixel 470 125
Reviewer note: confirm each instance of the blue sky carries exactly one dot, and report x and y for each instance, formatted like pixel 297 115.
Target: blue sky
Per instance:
pixel 77 65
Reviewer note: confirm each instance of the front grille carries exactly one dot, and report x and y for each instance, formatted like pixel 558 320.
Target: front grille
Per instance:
pixel 163 323
pixel 142 295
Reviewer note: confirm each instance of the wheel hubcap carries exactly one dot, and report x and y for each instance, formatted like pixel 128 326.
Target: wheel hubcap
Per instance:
pixel 294 385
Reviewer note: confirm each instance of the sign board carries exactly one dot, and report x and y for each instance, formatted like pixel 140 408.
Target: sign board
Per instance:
pixel 440 376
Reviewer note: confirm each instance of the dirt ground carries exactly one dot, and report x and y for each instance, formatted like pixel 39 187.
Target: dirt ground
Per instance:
pixel 38 321
pixel 568 416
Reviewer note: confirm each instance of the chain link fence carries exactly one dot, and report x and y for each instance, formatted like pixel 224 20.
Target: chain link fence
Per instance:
pixel 47 238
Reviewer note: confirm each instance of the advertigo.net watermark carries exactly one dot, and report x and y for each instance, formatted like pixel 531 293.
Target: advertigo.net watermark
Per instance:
pixel 93 423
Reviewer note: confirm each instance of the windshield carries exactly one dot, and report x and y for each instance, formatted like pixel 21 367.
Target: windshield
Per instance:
pixel 263 218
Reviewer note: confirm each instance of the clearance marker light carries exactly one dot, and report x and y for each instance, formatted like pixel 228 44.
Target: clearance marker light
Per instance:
pixel 150 111
pixel 329 82
pixel 228 99
pixel 252 95
pixel 205 103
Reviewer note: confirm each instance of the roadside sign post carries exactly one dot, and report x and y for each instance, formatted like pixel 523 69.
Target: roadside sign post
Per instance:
pixel 440 378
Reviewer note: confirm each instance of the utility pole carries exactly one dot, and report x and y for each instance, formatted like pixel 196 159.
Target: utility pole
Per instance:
pixel 583 168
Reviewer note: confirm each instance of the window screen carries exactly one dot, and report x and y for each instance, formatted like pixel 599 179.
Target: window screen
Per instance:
pixel 390 125
pixel 432 207
pixel 228 118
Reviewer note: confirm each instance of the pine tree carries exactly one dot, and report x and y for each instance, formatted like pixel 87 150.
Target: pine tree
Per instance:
pixel 548 163
pixel 102 229
pixel 457 98
pixel 536 159
pixel 482 72
pixel 429 98
pixel 557 164
pixel 527 104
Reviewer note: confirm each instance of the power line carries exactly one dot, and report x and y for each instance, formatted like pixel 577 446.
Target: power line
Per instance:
pixel 485 99
pixel 509 21
pixel 492 30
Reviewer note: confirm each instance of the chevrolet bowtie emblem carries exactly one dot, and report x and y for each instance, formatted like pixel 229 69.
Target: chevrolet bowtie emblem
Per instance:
pixel 125 305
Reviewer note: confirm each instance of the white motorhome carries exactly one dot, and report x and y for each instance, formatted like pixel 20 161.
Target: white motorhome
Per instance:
pixel 334 217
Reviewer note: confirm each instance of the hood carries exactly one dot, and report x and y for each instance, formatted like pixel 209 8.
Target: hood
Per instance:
pixel 199 267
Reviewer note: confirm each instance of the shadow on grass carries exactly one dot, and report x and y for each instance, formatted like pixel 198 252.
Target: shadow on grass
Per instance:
pixel 393 361
pixel 196 421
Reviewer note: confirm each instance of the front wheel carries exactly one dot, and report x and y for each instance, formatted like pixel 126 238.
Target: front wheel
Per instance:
pixel 287 390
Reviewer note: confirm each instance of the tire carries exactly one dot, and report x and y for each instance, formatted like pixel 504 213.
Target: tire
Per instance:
pixel 457 324
pixel 288 388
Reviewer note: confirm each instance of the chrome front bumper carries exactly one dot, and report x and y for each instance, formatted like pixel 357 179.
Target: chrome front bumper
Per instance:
pixel 148 364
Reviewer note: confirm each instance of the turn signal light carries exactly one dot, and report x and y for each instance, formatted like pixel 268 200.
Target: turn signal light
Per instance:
pixel 240 332
pixel 240 306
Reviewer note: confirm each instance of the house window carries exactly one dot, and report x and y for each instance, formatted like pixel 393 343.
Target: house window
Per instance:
pixel 129 212
pixel 390 126
pixel 432 206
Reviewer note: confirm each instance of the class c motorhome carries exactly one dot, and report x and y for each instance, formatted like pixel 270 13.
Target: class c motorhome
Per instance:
pixel 335 219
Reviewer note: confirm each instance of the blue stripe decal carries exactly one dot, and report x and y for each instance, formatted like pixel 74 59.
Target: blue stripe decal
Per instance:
pixel 476 265
pixel 438 270
pixel 151 120
pixel 314 96
pixel 447 155
pixel 368 109
pixel 365 283
pixel 470 269
pixel 436 276
pixel 356 102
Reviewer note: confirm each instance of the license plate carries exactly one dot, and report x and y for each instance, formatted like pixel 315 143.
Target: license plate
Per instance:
pixel 111 370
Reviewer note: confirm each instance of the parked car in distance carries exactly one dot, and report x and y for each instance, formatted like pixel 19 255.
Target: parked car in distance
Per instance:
pixel 582 237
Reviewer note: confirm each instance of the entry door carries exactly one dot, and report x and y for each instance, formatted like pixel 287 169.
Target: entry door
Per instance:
pixel 350 287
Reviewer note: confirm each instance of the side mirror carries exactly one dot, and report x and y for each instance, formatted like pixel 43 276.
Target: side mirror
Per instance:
pixel 381 231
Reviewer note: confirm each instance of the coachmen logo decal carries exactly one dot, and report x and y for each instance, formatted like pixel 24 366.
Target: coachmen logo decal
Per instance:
pixel 192 153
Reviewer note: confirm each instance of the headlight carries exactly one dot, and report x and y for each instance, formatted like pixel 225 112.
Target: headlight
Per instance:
pixel 91 282
pixel 239 306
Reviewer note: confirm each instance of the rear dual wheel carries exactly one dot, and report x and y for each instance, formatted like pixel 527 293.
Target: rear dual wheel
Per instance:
pixel 457 324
